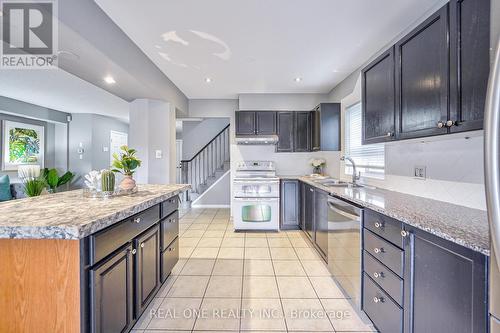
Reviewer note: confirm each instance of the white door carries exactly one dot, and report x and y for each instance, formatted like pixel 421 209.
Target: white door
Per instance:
pixel 116 140
pixel 178 157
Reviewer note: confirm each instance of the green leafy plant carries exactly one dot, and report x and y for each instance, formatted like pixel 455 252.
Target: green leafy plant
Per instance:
pixel 34 187
pixel 126 162
pixel 52 179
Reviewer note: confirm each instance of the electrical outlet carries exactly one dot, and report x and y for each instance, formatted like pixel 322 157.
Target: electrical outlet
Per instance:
pixel 158 154
pixel 419 172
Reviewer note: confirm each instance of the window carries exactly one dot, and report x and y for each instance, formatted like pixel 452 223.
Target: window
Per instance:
pixel 369 159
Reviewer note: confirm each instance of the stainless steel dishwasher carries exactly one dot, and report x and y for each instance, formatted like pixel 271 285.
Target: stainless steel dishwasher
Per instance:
pixel 344 246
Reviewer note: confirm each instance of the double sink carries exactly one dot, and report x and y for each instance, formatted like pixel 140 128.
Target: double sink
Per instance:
pixel 331 182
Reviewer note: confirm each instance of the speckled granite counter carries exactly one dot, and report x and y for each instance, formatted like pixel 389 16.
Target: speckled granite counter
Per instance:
pixel 465 226
pixel 68 215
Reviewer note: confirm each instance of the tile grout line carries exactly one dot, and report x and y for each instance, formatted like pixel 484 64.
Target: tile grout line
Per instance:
pixel 278 287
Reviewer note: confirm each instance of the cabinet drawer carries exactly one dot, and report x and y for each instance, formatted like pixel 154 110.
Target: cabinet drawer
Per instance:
pixel 108 240
pixel 169 206
pixel 387 280
pixel 384 226
pixel 386 315
pixel 169 229
pixel 385 252
pixel 169 258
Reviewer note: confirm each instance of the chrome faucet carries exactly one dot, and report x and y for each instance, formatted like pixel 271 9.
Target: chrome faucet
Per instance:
pixel 355 175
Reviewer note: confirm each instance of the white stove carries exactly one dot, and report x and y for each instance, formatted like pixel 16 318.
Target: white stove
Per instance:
pixel 256 196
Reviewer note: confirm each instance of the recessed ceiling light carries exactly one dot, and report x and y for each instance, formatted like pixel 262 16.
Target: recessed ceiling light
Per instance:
pixel 109 79
pixel 208 80
pixel 298 79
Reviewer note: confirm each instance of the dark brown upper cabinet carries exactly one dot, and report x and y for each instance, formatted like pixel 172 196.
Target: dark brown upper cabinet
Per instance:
pixel 469 62
pixel 422 64
pixel 302 130
pixel 379 99
pixel 255 122
pixel 285 132
pixel 326 127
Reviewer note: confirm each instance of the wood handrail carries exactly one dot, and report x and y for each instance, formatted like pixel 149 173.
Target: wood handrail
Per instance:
pixel 199 152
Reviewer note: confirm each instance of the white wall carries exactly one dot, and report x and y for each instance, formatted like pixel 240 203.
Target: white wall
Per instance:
pixel 214 108
pixel 218 196
pixel 280 102
pixel 195 135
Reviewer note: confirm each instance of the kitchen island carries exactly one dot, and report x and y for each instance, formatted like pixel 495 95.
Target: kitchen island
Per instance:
pixel 75 264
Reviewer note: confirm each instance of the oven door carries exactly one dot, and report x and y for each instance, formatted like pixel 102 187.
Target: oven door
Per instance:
pixel 256 213
pixel 256 188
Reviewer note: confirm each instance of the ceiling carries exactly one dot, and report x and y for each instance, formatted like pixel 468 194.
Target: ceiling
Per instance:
pixel 261 46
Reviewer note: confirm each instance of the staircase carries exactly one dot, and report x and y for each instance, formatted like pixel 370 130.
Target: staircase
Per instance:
pixel 206 166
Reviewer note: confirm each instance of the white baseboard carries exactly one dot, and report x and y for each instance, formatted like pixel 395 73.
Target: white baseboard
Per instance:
pixel 211 206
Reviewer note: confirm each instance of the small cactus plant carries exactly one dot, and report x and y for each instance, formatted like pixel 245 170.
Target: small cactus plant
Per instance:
pixel 107 181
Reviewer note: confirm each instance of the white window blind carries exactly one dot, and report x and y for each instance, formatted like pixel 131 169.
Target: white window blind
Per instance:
pixel 369 159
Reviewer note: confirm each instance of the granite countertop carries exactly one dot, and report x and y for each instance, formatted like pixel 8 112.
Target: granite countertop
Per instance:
pixel 462 225
pixel 69 215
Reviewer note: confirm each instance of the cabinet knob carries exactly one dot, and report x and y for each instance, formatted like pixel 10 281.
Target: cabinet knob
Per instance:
pixel 137 220
pixel 450 123
pixel 142 245
pixel 404 233
pixel 389 134
pixel 378 275
pixel 378 299
pixel 311 190
pixel 440 124
pixel 134 251
pixel 378 250
pixel 379 225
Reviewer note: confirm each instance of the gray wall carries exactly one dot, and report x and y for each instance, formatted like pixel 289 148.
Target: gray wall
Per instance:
pixel 195 135
pixel 93 131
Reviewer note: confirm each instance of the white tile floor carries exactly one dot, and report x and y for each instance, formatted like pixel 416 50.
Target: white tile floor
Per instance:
pixel 229 281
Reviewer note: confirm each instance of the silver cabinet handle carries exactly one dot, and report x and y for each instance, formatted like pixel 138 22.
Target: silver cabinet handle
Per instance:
pixel 450 123
pixel 389 134
pixel 378 250
pixel 134 251
pixel 311 190
pixel 378 299
pixel 440 124
pixel 404 233
pixel 142 245
pixel 137 220
pixel 378 275
pixel 379 225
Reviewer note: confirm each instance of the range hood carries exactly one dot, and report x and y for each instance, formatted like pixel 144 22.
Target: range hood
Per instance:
pixel 256 139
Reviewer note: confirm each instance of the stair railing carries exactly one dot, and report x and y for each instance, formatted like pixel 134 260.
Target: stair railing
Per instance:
pixel 206 162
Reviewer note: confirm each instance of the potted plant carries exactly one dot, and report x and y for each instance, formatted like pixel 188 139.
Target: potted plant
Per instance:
pixel 126 163
pixel 53 180
pixel 318 164
pixel 34 187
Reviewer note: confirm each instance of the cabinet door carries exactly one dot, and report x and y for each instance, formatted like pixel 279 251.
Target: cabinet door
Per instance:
pixel 289 204
pixel 469 60
pixel 285 132
pixel 422 78
pixel 321 220
pixel 316 129
pixel 309 212
pixel 302 142
pixel 266 122
pixel 379 99
pixel 445 286
pixel 303 203
pixel 111 293
pixel 147 274
pixel 245 122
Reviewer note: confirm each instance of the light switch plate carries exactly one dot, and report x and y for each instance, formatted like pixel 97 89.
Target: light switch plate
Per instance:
pixel 105 149
pixel 158 154
pixel 419 172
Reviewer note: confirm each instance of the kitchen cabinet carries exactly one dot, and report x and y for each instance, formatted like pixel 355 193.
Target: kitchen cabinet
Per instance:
pixel 469 62
pixel 422 64
pixel 302 131
pixel 147 273
pixel 445 286
pixel 302 205
pixel 285 121
pixel 379 99
pixel 245 123
pixel 326 127
pixel 289 204
pixel 309 211
pixel 255 122
pixel 321 221
pixel 112 292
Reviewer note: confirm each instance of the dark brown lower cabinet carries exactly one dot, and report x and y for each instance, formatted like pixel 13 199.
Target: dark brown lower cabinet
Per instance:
pixel 445 286
pixel 289 204
pixel 169 257
pixel 112 293
pixel 147 273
